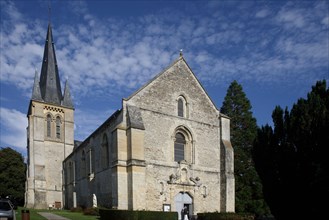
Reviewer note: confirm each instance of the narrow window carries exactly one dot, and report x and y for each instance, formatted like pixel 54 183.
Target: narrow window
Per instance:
pixel 180 108
pixel 58 127
pixel 105 152
pixel 91 160
pixel 179 147
pixel 69 173
pixel 83 164
pixel 73 171
pixel 48 125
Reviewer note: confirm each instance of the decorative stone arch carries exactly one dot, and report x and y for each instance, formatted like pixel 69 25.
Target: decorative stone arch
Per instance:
pixel 182 106
pixel 183 199
pixel 188 143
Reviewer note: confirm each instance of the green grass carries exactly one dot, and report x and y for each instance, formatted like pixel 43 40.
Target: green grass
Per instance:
pixel 33 214
pixel 65 213
pixel 74 215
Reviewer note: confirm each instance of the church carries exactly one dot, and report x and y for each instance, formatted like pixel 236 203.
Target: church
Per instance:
pixel 167 148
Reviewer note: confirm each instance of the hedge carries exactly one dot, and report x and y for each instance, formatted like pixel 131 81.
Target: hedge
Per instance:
pixel 224 216
pixel 106 214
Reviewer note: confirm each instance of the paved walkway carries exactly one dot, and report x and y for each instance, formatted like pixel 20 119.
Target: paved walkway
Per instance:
pixel 51 216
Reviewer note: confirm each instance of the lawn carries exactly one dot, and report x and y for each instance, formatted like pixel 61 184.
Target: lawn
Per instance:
pixel 74 215
pixel 65 213
pixel 33 214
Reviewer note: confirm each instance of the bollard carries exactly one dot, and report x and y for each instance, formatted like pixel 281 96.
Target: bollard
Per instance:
pixel 25 214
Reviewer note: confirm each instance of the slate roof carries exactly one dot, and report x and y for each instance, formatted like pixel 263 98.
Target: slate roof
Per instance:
pixel 48 89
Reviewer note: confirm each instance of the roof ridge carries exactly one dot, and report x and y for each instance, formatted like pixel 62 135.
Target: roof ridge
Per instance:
pixel 155 77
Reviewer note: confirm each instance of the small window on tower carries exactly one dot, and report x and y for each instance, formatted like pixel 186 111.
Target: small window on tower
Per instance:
pixel 58 127
pixel 48 126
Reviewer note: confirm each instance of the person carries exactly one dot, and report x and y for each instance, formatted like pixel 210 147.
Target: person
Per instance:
pixel 185 211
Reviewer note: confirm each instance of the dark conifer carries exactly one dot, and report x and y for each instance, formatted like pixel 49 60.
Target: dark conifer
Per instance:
pixel 248 188
pixel 291 160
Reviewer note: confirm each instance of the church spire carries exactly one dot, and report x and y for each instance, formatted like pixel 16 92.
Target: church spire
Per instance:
pixel 50 86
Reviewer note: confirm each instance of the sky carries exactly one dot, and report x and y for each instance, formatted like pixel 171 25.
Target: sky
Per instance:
pixel 277 50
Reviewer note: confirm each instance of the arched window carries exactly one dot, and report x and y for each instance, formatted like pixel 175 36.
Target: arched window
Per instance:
pixel 48 126
pixel 90 162
pixel 105 152
pixel 183 145
pixel 180 107
pixel 179 147
pixel 58 127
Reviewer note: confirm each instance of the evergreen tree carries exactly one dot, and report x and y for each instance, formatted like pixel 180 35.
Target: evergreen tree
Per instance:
pixel 248 188
pixel 291 159
pixel 12 175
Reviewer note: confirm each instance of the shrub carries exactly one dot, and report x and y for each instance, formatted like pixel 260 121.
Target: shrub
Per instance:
pixel 136 215
pixel 225 216
pixel 76 209
pixel 117 214
pixel 91 211
pixel 153 215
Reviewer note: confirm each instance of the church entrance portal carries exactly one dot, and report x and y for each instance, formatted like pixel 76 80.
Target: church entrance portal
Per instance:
pixel 184 201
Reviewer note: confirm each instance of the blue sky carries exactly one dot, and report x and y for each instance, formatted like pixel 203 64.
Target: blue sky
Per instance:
pixel 107 49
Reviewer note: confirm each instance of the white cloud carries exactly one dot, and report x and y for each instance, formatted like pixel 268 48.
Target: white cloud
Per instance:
pixel 325 21
pixel 87 121
pixel 9 8
pixel 113 56
pixel 291 18
pixel 119 55
pixel 14 124
pixel 262 13
pixel 13 128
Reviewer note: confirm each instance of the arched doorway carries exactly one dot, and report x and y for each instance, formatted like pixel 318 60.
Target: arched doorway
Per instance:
pixel 182 200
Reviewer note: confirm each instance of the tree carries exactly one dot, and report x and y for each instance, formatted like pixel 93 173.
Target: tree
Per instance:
pixel 248 187
pixel 12 175
pixel 291 159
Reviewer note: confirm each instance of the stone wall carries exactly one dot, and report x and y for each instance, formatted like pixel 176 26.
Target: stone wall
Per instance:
pixel 158 104
pixel 142 173
pixel 46 154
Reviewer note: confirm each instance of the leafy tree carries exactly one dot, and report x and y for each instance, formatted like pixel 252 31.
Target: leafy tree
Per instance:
pixel 12 175
pixel 248 188
pixel 291 159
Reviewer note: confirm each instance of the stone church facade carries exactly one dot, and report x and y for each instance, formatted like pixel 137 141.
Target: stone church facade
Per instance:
pixel 167 148
pixel 50 133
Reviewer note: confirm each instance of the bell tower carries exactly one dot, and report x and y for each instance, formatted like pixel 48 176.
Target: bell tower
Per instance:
pixel 50 133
